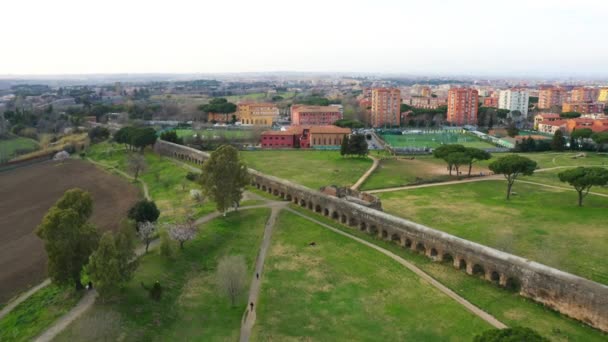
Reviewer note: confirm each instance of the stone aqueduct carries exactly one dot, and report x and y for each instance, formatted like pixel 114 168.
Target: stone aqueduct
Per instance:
pixel 571 295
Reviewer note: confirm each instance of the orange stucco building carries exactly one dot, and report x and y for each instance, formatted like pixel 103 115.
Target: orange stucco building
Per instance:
pixel 386 107
pixel 462 106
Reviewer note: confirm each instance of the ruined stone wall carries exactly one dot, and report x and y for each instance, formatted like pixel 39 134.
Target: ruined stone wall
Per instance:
pixel 571 295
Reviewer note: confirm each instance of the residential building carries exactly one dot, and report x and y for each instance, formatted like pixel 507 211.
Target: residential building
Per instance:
pixel 327 136
pixel 550 97
pixel 462 106
pixel 258 114
pixel 490 102
pixel 583 94
pixel 551 127
pixel 315 115
pixel 386 107
pixel 603 95
pixel 545 117
pixel 583 107
pixel 570 125
pixel 426 102
pixel 514 100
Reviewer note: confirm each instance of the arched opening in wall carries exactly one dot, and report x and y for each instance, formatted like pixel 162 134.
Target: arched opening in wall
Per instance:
pixel 353 222
pixel 295 200
pixel 270 190
pixel 478 270
pixel 344 219
pixel 373 230
pixel 462 264
pixel 282 195
pixel 317 208
pixel 513 284
pixel 384 234
pixel 309 205
pixel 408 243
pixel 448 258
pixel 434 252
pixel 395 238
pixel 363 226
pixel 420 247
pixel 288 197
pixel 275 192
pixel 495 277
pixel 302 203
pixel 264 188
pixel 257 185
pixel 335 215
pixel 326 212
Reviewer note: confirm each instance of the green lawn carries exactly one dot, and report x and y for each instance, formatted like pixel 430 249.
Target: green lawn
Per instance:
pixel 313 169
pixel 550 177
pixel 191 308
pixel 339 290
pixel 434 140
pixel 166 180
pixel 538 223
pixel 396 172
pixel 35 314
pixel 508 307
pixel 13 145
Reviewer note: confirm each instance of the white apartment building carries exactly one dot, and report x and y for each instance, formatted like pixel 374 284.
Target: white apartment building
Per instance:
pixel 514 99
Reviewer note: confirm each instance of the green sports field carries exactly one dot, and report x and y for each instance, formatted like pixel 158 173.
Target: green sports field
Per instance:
pixel 434 140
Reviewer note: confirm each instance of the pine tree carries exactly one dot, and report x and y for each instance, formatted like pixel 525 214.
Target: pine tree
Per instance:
pixel 344 147
pixel 558 142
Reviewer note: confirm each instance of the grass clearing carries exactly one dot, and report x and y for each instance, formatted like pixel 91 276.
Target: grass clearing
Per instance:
pixel 538 223
pixel 13 146
pixel 191 308
pixel 166 180
pixel 506 306
pixel 38 312
pixel 313 169
pixel 339 290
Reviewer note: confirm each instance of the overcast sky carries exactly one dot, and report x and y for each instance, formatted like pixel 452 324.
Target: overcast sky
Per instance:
pixel 515 37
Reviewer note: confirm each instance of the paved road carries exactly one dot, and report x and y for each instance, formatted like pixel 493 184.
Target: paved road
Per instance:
pixel 468 305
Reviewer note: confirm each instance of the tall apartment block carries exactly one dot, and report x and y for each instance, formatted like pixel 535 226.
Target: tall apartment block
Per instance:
pixel 386 107
pixel 583 94
pixel 462 106
pixel 514 99
pixel 603 95
pixel 549 97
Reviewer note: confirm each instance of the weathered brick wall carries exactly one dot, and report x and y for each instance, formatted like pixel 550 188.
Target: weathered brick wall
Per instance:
pixel 571 295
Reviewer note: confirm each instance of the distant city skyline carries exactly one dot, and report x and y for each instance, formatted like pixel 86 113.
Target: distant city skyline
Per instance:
pixel 540 38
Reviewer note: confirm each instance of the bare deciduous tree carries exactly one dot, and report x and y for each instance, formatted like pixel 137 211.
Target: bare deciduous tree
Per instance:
pixel 146 230
pixel 136 164
pixel 231 276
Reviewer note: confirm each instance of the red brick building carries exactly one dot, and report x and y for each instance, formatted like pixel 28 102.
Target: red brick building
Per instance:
pixel 315 115
pixel 490 102
pixel 304 137
pixel 462 106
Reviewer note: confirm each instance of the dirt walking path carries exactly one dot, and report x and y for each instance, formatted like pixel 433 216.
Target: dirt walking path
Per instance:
pixel 468 305
pixel 367 173
pixel 256 281
pixel 21 298
pixel 124 174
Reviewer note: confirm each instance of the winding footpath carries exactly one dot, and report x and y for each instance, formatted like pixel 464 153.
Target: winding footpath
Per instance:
pixel 21 298
pixel 367 173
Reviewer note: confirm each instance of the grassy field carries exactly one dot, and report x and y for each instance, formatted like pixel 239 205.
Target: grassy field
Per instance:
pixel 9 147
pixel 191 308
pixel 508 307
pixel 434 140
pixel 166 181
pixel 313 169
pixel 34 315
pixel 538 223
pixel 339 290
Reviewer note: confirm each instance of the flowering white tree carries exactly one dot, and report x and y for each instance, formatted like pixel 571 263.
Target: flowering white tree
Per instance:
pixel 146 230
pixel 183 232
